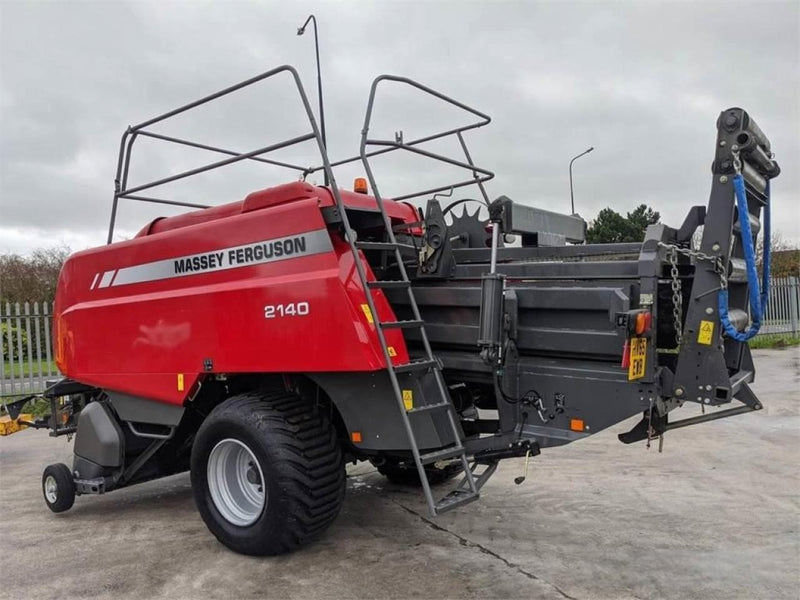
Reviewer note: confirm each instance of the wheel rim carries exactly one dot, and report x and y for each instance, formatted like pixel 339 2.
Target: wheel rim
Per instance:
pixel 50 489
pixel 236 482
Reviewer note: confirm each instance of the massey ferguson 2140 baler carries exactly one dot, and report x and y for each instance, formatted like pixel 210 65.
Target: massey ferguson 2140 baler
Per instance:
pixel 262 344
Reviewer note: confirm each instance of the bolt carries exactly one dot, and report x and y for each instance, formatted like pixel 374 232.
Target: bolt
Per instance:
pixel 723 179
pixel 679 391
pixel 723 143
pixel 757 407
pixel 715 247
pixel 735 147
pixel 708 388
pixel 709 311
pixel 708 401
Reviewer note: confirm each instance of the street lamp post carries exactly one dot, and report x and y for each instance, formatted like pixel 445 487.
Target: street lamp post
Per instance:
pixel 301 31
pixel 571 193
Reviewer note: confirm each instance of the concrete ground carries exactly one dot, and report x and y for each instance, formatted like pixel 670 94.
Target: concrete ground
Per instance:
pixel 715 516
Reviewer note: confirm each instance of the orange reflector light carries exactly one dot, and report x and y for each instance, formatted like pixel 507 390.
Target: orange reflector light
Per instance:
pixel 355 437
pixel 360 185
pixel 576 424
pixel 643 320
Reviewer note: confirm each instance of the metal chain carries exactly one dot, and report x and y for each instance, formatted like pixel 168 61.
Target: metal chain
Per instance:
pixel 677 296
pixel 737 161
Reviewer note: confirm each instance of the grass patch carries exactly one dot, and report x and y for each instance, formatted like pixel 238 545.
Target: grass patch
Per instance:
pixel 38 407
pixel 25 370
pixel 775 341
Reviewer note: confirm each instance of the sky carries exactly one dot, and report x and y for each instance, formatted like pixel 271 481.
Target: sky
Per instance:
pixel 641 82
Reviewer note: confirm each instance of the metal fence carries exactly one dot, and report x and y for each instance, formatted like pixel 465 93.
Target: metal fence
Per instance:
pixel 782 310
pixel 26 352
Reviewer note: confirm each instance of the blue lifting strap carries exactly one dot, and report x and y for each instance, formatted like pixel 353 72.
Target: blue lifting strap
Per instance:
pixel 758 303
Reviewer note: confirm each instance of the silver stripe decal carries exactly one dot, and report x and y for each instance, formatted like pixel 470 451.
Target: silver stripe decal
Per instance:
pixel 94 281
pixel 106 280
pixel 231 257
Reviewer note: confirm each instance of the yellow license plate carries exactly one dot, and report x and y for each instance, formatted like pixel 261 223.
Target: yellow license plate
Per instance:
pixel 638 358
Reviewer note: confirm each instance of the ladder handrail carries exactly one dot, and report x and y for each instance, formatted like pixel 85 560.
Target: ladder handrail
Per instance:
pixel 479 177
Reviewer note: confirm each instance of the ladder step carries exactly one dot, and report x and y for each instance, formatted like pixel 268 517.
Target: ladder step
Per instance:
pixel 385 246
pixel 416 365
pixel 432 457
pixel 401 324
pixel 439 405
pixel 455 499
pixel 388 283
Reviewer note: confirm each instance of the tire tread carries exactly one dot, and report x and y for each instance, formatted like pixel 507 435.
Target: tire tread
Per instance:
pixel 310 473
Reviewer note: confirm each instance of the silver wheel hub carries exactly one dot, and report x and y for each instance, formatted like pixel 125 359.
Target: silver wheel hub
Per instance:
pixel 236 482
pixel 51 489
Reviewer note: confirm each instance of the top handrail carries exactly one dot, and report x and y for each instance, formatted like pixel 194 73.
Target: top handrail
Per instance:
pixel 131 133
pixel 479 175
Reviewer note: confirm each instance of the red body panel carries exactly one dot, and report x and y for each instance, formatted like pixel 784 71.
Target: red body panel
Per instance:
pixel 129 319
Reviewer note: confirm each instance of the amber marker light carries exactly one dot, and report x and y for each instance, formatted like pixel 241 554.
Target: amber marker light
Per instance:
pixel 643 320
pixel 360 185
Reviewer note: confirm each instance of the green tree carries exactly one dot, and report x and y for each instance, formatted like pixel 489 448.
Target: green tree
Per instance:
pixel 612 227
pixel 31 278
pixel 785 256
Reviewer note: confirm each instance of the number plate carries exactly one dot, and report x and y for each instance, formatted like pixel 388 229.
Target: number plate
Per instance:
pixel 638 358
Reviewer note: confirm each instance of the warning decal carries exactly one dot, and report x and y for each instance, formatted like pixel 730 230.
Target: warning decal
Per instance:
pixel 367 313
pixel 706 333
pixel 408 399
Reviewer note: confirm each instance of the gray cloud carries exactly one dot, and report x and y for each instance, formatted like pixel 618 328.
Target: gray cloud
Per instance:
pixel 642 82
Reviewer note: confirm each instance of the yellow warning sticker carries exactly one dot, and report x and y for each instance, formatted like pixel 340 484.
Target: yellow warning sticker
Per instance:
pixel 638 362
pixel 392 351
pixel 180 382
pixel 706 333
pixel 408 399
pixel 367 313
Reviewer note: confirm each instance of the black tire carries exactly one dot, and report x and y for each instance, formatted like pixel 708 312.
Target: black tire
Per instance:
pixel 58 487
pixel 300 460
pixel 407 474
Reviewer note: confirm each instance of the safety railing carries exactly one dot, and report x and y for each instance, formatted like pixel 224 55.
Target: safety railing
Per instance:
pixel 479 175
pixel 122 191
